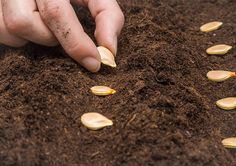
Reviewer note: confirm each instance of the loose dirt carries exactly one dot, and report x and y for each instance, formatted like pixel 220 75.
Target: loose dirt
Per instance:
pixel 164 111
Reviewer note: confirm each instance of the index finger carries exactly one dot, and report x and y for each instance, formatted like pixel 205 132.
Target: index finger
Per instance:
pixel 60 17
pixel 109 21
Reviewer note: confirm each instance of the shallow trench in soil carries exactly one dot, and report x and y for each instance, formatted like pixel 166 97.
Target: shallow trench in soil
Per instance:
pixel 164 110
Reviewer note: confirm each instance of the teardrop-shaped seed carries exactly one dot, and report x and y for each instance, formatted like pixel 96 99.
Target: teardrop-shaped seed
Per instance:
pixel 102 90
pixel 229 142
pixel 220 49
pixel 211 26
pixel 227 103
pixel 219 75
pixel 107 57
pixel 95 121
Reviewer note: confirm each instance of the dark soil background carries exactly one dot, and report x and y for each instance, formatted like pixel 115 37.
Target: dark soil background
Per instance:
pixel 164 112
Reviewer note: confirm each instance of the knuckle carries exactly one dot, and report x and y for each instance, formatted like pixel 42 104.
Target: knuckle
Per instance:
pixel 18 23
pixel 9 39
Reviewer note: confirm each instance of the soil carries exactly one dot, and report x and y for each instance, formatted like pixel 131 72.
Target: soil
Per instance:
pixel 164 110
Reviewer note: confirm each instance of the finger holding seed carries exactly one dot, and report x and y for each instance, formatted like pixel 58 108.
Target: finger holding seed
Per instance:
pixel 211 26
pixel 227 103
pixel 95 121
pixel 220 75
pixel 220 49
pixel 109 21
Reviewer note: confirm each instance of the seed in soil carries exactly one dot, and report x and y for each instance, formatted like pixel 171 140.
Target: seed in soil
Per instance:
pixel 220 49
pixel 229 142
pixel 95 121
pixel 227 103
pixel 102 90
pixel 107 57
pixel 220 75
pixel 211 26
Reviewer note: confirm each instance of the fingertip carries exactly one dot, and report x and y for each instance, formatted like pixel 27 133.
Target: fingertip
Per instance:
pixel 106 40
pixel 91 63
pixel 88 56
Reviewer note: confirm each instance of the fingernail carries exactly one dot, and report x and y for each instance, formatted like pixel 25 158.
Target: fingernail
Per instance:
pixel 90 63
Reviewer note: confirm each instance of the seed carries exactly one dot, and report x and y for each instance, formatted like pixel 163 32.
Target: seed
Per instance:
pixel 107 57
pixel 219 75
pixel 102 90
pixel 220 49
pixel 95 121
pixel 211 26
pixel 227 103
pixel 229 142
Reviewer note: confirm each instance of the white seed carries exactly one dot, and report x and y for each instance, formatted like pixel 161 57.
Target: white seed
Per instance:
pixel 227 103
pixel 102 90
pixel 220 49
pixel 107 57
pixel 219 75
pixel 95 121
pixel 229 142
pixel 211 26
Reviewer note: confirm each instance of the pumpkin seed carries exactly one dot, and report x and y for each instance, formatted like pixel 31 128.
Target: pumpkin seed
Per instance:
pixel 220 49
pixel 102 90
pixel 219 75
pixel 95 121
pixel 211 26
pixel 229 142
pixel 227 103
pixel 107 58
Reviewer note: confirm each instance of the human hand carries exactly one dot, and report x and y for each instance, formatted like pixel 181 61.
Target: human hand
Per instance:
pixel 49 22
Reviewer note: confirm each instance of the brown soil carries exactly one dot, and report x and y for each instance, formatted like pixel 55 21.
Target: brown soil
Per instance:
pixel 163 113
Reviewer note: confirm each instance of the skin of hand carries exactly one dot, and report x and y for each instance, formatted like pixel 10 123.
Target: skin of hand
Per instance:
pixel 53 22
